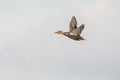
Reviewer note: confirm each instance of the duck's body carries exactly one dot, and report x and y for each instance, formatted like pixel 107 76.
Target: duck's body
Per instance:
pixel 74 31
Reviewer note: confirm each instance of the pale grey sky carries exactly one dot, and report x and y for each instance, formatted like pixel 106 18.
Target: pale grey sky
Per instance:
pixel 29 49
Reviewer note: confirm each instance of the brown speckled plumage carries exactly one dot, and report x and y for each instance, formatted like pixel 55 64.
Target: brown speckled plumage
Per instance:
pixel 74 31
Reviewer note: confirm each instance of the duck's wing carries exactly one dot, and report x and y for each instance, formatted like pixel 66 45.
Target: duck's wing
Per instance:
pixel 73 24
pixel 81 28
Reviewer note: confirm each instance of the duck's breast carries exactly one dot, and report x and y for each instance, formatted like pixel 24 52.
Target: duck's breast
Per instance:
pixel 75 32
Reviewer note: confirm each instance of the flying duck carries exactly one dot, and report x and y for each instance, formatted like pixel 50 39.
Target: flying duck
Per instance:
pixel 74 31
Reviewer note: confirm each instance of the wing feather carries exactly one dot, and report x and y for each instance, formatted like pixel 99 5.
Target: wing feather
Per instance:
pixel 81 28
pixel 73 24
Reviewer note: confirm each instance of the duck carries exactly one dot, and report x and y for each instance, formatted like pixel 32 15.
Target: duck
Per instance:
pixel 74 31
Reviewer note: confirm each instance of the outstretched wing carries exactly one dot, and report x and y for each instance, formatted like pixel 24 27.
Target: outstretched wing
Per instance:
pixel 81 28
pixel 73 24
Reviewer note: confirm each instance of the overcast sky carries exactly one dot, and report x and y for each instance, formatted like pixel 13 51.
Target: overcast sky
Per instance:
pixel 29 49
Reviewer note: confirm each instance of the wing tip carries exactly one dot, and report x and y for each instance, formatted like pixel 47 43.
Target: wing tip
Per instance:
pixel 73 17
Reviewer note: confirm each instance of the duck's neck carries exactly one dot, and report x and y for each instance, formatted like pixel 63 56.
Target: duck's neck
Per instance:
pixel 66 33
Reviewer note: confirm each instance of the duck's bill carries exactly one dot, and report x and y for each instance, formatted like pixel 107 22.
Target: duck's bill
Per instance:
pixel 59 32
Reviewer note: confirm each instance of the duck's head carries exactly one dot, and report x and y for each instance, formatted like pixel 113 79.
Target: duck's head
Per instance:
pixel 59 32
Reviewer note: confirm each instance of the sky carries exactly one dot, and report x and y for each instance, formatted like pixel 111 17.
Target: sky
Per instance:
pixel 29 49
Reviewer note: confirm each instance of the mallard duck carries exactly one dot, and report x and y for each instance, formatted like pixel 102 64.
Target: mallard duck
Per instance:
pixel 74 31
